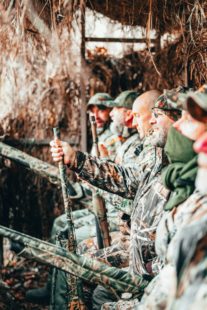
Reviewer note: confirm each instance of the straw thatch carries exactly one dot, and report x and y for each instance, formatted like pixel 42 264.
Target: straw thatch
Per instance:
pixel 162 15
pixel 37 92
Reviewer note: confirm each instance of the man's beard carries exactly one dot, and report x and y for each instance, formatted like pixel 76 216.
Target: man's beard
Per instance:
pixel 116 129
pixel 159 137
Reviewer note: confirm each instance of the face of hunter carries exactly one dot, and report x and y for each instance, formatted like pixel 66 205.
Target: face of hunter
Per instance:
pixel 101 114
pixel 190 127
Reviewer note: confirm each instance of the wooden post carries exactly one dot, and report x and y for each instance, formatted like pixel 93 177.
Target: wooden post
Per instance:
pixel 82 82
pixel 1 252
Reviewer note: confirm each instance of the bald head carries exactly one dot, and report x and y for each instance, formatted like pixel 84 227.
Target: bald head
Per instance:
pixel 142 111
pixel 147 99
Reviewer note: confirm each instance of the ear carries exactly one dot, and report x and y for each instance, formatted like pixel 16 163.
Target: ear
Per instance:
pixel 129 119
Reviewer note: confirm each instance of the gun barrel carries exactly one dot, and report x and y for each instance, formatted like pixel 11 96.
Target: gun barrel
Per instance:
pixel 88 269
pixel 38 166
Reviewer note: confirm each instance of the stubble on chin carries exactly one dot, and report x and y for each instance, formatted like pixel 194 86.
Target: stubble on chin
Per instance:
pixel 158 138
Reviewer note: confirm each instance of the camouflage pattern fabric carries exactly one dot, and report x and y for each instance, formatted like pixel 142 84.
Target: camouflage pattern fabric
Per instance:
pixel 191 256
pixel 177 96
pixel 121 305
pixel 84 220
pixel 144 223
pixel 85 226
pixel 126 99
pixel 181 245
pixel 107 137
pixel 169 106
pixel 118 253
pixel 101 99
pixel 131 182
pixel 125 155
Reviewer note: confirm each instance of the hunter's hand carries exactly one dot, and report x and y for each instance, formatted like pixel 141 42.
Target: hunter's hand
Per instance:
pixel 60 149
pixel 103 150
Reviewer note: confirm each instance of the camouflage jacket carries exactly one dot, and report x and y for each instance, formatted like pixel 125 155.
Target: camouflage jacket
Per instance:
pixel 111 141
pixel 118 253
pixel 177 244
pixel 127 155
pixel 105 136
pixel 187 252
pixel 181 242
pixel 136 182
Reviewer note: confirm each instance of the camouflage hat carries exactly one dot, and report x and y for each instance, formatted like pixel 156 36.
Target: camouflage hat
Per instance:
pixel 170 101
pixel 196 104
pixel 177 96
pixel 126 99
pixel 101 99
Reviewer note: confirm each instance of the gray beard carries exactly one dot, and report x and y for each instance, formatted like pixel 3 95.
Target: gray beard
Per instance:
pixel 159 138
pixel 116 129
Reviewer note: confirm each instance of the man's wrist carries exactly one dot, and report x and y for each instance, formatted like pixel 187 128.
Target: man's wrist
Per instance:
pixel 77 161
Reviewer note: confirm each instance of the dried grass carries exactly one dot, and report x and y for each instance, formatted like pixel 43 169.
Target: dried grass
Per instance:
pixel 36 87
pixel 163 15
pixel 38 91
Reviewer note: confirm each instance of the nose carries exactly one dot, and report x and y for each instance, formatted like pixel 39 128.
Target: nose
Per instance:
pixel 153 120
pixel 111 113
pixel 95 113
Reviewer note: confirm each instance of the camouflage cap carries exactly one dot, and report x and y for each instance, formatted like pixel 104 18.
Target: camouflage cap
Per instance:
pixel 177 96
pixel 102 99
pixel 196 104
pixel 126 99
pixel 170 101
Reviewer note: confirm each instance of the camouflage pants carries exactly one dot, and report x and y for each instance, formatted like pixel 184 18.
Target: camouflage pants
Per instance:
pixel 117 254
pixel 101 296
pixel 84 223
pixel 122 305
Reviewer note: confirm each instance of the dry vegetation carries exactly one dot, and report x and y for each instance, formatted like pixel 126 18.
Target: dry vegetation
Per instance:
pixel 39 83
pixel 38 90
pixel 39 78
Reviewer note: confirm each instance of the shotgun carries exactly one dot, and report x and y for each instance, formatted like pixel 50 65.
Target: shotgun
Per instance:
pixel 75 285
pixel 102 226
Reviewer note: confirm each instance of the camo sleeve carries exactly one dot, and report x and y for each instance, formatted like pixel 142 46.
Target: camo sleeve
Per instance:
pixel 121 180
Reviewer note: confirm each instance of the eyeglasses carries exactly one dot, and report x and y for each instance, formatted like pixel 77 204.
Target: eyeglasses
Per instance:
pixel 156 114
pixel 135 114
